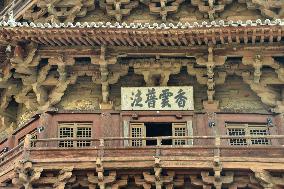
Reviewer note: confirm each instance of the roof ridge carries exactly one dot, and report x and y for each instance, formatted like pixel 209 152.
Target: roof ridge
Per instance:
pixel 186 25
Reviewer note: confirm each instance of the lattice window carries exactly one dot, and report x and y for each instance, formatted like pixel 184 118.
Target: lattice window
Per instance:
pixel 179 129
pixel 33 136
pixel 249 130
pixel 257 130
pixel 137 130
pixel 84 132
pixel 66 132
pixel 75 131
pixel 237 132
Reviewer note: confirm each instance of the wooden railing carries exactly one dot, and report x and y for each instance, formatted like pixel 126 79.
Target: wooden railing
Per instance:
pixel 217 145
pixel 218 141
pixel 11 154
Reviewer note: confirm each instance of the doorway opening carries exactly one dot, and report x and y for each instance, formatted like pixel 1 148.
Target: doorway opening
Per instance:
pixel 158 129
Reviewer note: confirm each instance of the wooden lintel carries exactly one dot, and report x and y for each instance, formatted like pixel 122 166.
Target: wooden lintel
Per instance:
pixel 229 51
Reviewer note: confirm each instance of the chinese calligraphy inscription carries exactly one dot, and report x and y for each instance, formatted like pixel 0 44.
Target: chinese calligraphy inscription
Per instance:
pixel 157 98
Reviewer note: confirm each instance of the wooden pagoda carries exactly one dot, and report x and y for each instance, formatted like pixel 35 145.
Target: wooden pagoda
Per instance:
pixel 132 94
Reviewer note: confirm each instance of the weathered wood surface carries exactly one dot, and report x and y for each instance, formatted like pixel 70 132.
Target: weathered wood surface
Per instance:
pixel 126 161
pixel 70 11
pixel 88 37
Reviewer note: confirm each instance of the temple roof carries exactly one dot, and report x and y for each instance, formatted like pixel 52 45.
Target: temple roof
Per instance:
pixel 118 25
pixel 143 34
pixel 142 10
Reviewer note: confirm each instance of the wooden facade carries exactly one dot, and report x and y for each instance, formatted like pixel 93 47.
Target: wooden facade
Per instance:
pixel 63 64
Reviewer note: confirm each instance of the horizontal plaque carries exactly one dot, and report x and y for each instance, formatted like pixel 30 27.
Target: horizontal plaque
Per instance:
pixel 157 98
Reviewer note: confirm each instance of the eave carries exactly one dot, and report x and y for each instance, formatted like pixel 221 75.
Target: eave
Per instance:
pixel 117 34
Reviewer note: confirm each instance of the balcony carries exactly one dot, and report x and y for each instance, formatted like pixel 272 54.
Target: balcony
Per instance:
pixel 203 148
pixel 204 153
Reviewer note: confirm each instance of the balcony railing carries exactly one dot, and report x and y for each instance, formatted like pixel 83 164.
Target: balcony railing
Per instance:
pixel 207 146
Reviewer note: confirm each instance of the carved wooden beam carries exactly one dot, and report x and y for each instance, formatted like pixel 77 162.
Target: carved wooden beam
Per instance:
pixel 244 181
pixel 26 174
pixel 268 96
pixel 107 76
pixel 23 98
pixel 195 181
pixel 54 10
pixel 217 180
pixel 118 8
pixel 6 96
pixel 213 8
pixel 210 61
pixel 24 62
pixel 163 8
pixel 150 68
pixel 65 176
pixel 141 182
pixel 157 179
pixel 57 93
pixel 268 8
pixel 199 73
pixel 120 183
pixel 258 62
pixel 101 180
pixel 266 180
pixel 25 59
pixel 5 73
pixel 40 92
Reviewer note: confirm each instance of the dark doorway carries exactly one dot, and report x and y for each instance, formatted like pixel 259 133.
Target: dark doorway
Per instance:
pixel 158 129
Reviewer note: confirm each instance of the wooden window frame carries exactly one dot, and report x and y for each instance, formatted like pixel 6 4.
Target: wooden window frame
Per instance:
pixel 137 125
pixel 174 125
pixel 179 125
pixel 248 128
pixel 75 126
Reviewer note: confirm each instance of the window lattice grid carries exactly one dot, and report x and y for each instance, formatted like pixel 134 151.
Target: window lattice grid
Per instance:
pixel 248 130
pixel 73 131
pixel 84 132
pixel 136 132
pixel 179 131
pixel 66 132
pixel 237 132
pixel 259 132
